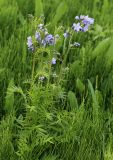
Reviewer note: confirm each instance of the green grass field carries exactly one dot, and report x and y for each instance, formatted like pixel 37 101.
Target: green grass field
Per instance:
pixel 61 110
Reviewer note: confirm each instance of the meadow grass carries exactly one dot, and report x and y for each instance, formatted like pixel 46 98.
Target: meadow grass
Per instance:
pixel 67 117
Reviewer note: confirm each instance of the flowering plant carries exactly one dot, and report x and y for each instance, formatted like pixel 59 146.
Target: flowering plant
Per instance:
pixel 43 41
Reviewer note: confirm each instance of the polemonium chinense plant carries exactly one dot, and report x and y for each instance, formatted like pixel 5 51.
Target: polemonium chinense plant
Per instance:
pixel 49 65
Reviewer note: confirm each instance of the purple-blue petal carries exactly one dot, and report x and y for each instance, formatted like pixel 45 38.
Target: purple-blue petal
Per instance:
pixel 53 60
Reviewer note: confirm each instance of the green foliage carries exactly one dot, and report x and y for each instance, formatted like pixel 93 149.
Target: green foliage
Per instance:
pixel 80 86
pixel 68 116
pixel 101 48
pixel 61 10
pixel 72 100
pixel 9 104
pixel 38 8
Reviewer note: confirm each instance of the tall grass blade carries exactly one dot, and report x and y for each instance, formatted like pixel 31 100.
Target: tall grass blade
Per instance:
pixel 38 8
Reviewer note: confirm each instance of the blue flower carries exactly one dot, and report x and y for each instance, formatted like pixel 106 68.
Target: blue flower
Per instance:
pixel 50 39
pixel 43 42
pixel 87 20
pixel 38 36
pixel 77 27
pixel 53 60
pixel 85 28
pixel 66 34
pixel 82 16
pixel 77 18
pixel 30 43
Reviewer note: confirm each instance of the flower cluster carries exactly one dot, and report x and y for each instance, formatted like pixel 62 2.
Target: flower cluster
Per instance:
pixel 42 37
pixel 84 23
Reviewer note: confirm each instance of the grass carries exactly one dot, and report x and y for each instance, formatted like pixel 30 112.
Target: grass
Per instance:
pixel 68 117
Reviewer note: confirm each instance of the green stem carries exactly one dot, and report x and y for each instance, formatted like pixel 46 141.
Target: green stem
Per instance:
pixel 50 66
pixel 65 57
pixel 33 69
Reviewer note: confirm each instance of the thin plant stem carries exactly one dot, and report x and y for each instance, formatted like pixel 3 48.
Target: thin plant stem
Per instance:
pixel 65 56
pixel 33 70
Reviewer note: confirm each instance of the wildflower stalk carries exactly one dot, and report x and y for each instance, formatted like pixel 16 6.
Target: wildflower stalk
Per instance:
pixel 33 69
pixel 65 56
pixel 49 74
pixel 69 46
